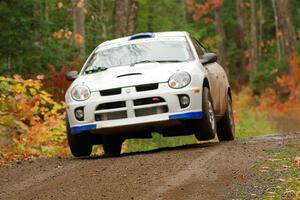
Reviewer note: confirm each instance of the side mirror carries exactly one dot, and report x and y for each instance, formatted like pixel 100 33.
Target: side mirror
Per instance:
pixel 208 58
pixel 71 75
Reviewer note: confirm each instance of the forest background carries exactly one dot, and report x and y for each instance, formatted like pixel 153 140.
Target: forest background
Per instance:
pixel 257 42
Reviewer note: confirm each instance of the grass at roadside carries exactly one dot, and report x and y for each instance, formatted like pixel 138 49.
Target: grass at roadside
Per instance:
pixel 249 122
pixel 157 141
pixel 251 125
pixel 275 177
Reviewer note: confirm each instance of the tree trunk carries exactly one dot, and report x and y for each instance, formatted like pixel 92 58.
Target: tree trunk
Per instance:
pixel 261 22
pixel 285 30
pixel 124 17
pixel 222 56
pixel 184 13
pixel 242 30
pixel 96 9
pixel 102 20
pixel 253 38
pixel 132 16
pixel 79 25
pixel 151 8
pixel 278 38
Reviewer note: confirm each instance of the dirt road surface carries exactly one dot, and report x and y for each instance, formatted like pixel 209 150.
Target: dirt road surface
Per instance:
pixel 200 171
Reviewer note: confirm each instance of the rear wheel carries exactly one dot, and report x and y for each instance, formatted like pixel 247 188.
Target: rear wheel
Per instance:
pixel 208 122
pixel 80 144
pixel 226 126
pixel 112 145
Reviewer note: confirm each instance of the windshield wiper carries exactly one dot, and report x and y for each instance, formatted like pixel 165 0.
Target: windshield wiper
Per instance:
pixel 143 61
pixel 96 69
pixel 159 61
pixel 171 61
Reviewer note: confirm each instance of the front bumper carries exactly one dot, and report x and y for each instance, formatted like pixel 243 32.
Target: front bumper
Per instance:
pixel 128 96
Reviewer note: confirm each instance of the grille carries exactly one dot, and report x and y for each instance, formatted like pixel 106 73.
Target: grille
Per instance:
pixel 141 88
pixel 137 108
pixel 149 106
pixel 150 100
pixel 111 105
pixel 111 111
pixel 151 111
pixel 111 115
pixel 110 92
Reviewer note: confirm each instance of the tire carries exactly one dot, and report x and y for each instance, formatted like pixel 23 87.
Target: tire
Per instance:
pixel 112 145
pixel 80 144
pixel 226 126
pixel 208 122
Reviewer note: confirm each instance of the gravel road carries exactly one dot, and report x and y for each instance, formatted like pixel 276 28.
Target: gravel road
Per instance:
pixel 199 171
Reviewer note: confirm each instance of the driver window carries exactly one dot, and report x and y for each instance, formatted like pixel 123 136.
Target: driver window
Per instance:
pixel 198 48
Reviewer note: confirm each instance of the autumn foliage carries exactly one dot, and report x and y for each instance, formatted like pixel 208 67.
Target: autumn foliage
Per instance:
pixel 32 120
pixel 201 11
pixel 284 96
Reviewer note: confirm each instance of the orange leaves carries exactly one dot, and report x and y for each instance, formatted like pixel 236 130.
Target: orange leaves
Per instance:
pixel 189 5
pixel 63 34
pixel 287 86
pixel 283 99
pixel 31 117
pixel 296 162
pixel 279 34
pixel 58 34
pixel 80 4
pixel 68 35
pixel 23 101
pixel 290 83
pixel 200 11
pixel 78 38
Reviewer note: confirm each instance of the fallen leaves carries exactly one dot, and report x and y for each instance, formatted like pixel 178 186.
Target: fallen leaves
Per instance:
pixel 296 162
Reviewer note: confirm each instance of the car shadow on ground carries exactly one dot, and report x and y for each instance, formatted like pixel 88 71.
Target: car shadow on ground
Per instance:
pixel 158 150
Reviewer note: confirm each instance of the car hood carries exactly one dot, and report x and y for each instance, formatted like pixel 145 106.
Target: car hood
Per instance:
pixel 125 76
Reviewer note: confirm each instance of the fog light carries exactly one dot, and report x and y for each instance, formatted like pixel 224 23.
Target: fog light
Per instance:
pixel 79 113
pixel 184 101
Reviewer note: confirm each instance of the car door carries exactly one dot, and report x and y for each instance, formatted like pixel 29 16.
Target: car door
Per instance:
pixel 213 72
pixel 214 80
pixel 223 86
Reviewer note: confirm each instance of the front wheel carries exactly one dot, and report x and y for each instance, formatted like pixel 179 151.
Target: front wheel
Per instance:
pixel 226 126
pixel 208 122
pixel 80 144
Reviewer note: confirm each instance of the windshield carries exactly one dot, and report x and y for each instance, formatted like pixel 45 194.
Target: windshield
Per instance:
pixel 150 50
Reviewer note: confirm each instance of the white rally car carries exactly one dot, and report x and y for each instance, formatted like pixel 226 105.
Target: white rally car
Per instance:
pixel 149 82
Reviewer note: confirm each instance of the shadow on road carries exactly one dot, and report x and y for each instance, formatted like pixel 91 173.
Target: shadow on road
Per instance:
pixel 162 149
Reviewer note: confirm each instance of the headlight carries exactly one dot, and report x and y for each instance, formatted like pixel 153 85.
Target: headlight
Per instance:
pixel 80 93
pixel 179 80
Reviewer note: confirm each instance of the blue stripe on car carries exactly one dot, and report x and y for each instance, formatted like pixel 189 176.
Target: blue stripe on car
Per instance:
pixel 78 129
pixel 141 35
pixel 190 115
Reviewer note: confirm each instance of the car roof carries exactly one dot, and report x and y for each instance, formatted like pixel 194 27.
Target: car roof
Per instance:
pixel 148 35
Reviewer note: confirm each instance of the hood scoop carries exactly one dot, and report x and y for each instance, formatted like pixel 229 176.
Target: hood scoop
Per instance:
pixel 130 74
